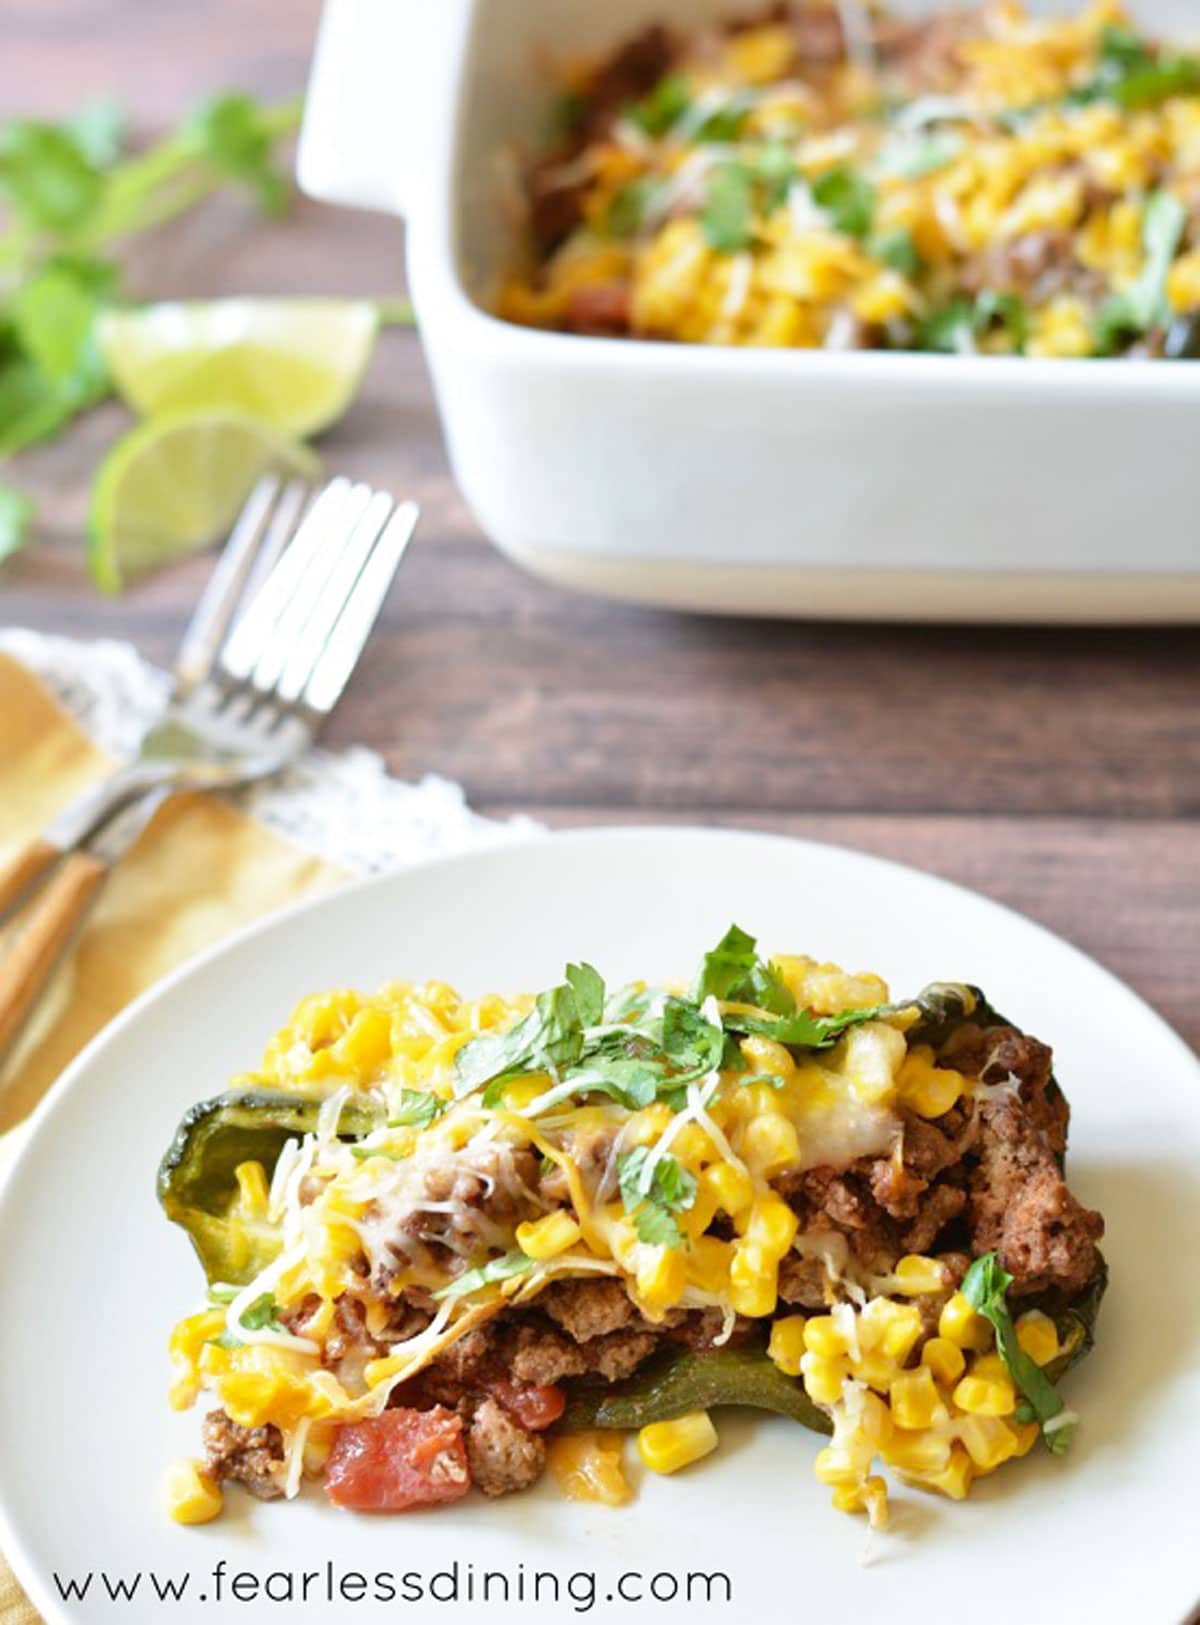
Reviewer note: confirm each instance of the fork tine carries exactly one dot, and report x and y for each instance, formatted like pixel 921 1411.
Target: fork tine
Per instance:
pixel 340 655
pixel 249 636
pixel 290 630
pixel 210 621
pixel 295 497
pixel 306 649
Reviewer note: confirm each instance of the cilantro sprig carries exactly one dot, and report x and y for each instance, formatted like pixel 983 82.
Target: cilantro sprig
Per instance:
pixel 73 196
pixel 985 1287
pixel 261 1315
pixel 416 1108
pixel 503 1268
pixel 653 1193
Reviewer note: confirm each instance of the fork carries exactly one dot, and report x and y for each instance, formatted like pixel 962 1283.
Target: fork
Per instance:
pixel 247 698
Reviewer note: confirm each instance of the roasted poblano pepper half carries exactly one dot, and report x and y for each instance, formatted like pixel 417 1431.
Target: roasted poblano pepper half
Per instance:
pixel 197 1179
pixel 198 1188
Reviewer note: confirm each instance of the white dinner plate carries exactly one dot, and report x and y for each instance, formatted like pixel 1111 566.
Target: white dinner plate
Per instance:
pixel 93 1278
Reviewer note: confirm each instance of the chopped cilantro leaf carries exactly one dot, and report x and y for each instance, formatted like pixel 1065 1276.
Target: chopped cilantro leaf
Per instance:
pixel 628 207
pixel 497 1269
pixel 588 986
pixel 803 1030
pixel 415 1108
pixel 261 1315
pixel 896 250
pixel 654 1193
pixel 733 971
pixel 724 123
pixel 913 156
pixel 848 199
pixel 664 106
pixel 985 1288
pixel 728 215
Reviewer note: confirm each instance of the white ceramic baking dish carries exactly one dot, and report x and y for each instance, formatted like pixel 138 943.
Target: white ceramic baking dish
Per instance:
pixel 772 482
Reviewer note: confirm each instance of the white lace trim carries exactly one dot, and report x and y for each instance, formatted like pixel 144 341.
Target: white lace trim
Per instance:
pixel 345 808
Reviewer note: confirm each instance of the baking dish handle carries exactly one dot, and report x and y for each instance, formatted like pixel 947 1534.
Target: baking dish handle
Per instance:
pixel 373 100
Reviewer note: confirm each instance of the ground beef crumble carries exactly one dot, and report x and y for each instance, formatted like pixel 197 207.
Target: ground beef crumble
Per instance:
pixel 240 1455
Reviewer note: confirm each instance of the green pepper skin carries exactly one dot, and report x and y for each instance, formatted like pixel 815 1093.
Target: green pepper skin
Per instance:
pixel 197 1180
pixel 673 1384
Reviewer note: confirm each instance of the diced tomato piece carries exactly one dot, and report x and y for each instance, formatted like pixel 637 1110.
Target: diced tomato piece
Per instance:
pixel 399 1459
pixel 535 1405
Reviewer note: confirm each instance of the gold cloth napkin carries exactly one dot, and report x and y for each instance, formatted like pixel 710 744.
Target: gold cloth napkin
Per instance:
pixel 200 870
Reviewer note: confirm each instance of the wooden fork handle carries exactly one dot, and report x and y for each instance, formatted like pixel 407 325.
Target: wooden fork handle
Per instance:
pixel 22 870
pixel 41 936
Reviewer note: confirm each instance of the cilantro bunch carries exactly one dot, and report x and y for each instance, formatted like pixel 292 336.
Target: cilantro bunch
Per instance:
pixel 72 195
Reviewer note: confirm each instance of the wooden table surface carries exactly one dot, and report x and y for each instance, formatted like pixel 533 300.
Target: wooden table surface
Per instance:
pixel 1058 771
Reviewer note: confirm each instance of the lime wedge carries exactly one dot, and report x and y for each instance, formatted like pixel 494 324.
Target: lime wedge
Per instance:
pixel 294 363
pixel 175 485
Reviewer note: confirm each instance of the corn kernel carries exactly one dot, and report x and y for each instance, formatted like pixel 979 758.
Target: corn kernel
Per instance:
pixel 836 1467
pixel 915 1275
pixel 985 1396
pixel 692 1146
pixel 770 1143
pixel 944 1358
pixel 786 1346
pixel 928 1089
pixel 766 1056
pixel 1183 283
pixel 772 1225
pixel 869 1496
pixel 914 1398
pixel 989 1441
pixel 959 1323
pixel 823 1378
pixel 1038 1336
pixel 876 1370
pixel 753 1280
pixel 665 1447
pixel 916 1452
pixel 192 1496
pixel 588 1467
pixel 875 1424
pixel 708 1261
pixel 697 1218
pixel 891 1328
pixel 648 1125
pixel 823 1338
pixel 366 1043
pixel 661 1279
pixel 731 1186
pixel 549 1236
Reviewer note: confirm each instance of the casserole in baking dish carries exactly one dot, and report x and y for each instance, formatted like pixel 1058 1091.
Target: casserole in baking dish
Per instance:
pixel 769 480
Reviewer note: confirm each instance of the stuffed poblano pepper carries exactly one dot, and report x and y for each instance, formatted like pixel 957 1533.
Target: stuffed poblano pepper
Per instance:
pixel 449 1241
